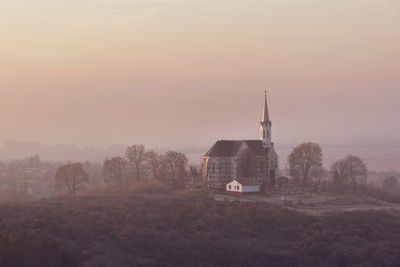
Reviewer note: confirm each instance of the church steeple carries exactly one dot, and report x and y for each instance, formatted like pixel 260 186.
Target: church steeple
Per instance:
pixel 265 116
pixel 265 125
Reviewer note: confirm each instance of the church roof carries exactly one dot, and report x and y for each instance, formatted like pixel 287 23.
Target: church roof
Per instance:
pixel 229 148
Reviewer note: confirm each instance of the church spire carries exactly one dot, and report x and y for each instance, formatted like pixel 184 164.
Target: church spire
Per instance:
pixel 265 116
pixel 265 125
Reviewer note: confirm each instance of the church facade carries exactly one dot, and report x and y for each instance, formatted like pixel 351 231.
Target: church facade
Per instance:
pixel 232 159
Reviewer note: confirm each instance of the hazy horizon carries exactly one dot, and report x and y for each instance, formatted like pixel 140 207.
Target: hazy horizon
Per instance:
pixel 183 74
pixel 378 157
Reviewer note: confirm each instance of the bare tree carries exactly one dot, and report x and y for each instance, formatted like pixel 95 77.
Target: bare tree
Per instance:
pixel 339 173
pixel 114 170
pixel 136 157
pixel 94 171
pixel 17 176
pixel 350 169
pixel 356 170
pixel 390 184
pixel 34 161
pixel 193 172
pixel 175 163
pixel 71 178
pixel 304 157
pixel 317 174
pixel 154 164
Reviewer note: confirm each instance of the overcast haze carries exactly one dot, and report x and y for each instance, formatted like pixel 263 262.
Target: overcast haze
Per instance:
pixel 183 74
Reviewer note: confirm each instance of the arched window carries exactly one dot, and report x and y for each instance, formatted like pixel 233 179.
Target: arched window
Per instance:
pixel 263 133
pixel 267 134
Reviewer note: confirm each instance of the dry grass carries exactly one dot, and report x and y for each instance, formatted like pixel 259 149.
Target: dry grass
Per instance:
pixel 189 229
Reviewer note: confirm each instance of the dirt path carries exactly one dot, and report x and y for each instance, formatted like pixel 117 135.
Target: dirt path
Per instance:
pixel 341 203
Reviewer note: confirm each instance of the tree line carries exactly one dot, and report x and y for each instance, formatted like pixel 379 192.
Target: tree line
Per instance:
pixel 136 165
pixel 33 178
pixel 305 164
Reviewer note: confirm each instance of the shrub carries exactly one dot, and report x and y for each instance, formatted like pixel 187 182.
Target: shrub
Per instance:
pixel 189 229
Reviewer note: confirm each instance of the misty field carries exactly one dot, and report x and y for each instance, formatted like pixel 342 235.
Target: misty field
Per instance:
pixel 190 229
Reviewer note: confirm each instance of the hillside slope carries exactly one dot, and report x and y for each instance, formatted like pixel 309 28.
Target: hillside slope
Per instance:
pixel 190 229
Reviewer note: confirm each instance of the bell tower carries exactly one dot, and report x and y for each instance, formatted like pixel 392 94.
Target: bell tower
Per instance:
pixel 265 125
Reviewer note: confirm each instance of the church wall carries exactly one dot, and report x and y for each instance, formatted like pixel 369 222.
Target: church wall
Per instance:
pixel 204 166
pixel 219 169
pixel 261 168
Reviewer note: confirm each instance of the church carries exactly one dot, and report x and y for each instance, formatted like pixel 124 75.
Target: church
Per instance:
pixel 253 159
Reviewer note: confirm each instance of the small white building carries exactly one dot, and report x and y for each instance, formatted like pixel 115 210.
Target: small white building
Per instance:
pixel 243 186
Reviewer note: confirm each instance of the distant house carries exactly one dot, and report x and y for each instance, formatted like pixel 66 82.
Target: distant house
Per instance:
pixel 255 159
pixel 243 186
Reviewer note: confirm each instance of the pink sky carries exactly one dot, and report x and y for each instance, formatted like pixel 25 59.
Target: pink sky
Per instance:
pixel 185 73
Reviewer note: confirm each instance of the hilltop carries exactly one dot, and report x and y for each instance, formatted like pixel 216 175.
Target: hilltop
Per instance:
pixel 190 229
